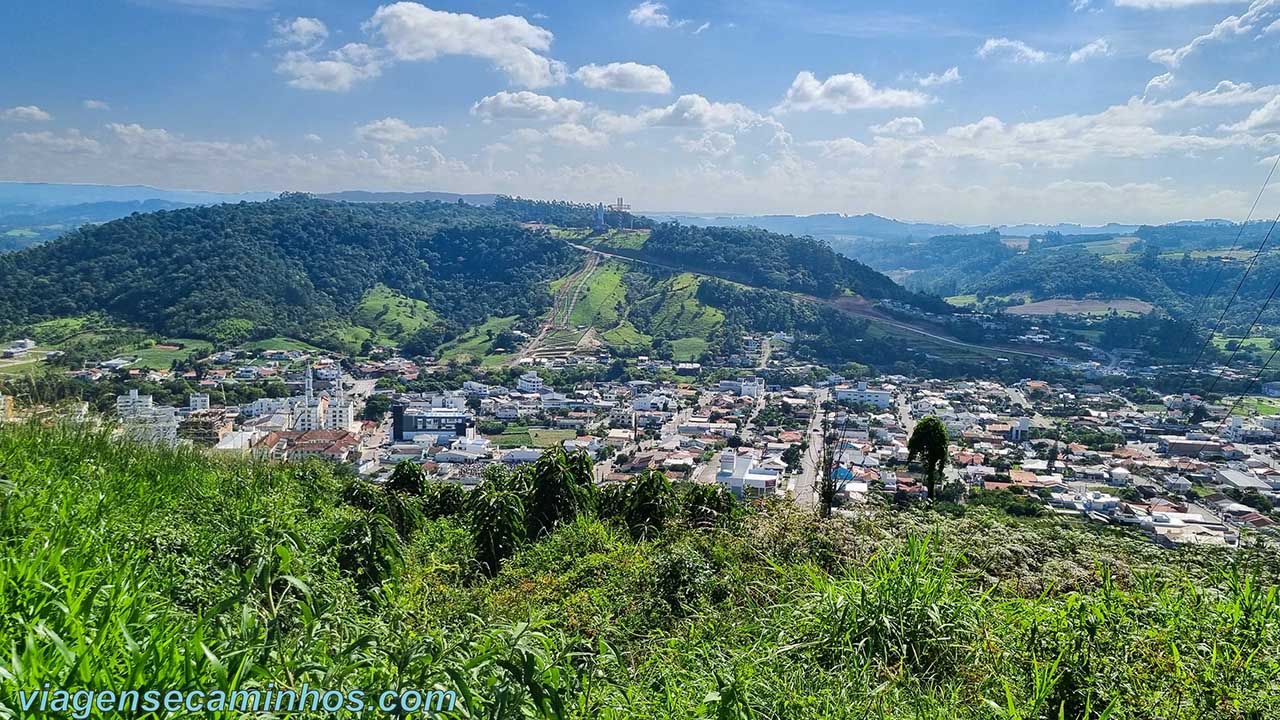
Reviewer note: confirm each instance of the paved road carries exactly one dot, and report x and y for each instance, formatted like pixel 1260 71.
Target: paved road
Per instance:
pixel 801 487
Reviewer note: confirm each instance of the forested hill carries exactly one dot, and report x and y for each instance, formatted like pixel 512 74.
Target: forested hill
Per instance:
pixel 745 254
pixel 295 266
pixel 348 275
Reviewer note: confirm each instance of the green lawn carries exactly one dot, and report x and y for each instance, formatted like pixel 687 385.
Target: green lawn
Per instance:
pixel 478 342
pixel 690 348
pixel 599 304
pixel 1257 405
pixel 626 335
pixel 963 300
pixel 623 239
pixel 1255 343
pixel 157 358
pixel 281 343
pixel 391 316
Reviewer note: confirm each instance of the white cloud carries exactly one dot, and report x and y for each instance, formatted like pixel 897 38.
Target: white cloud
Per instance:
pixel 1097 48
pixel 899 126
pixel 1170 4
pixel 313 138
pixel 1259 11
pixel 25 113
pixel 412 31
pixel 96 105
pixel 1079 5
pixel 526 105
pixel 1264 119
pixel 840 148
pixel 1224 94
pixel 394 131
pixel 692 111
pixel 339 71
pixel 577 135
pixel 951 75
pixel 702 28
pixel 625 77
pixel 306 32
pixel 69 142
pixel 1015 49
pixel 712 143
pixel 1158 83
pixel 654 15
pixel 845 92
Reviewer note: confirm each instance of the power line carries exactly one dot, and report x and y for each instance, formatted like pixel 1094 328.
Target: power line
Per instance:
pixel 1258 316
pixel 1222 316
pixel 1243 226
pixel 1218 275
pixel 1245 391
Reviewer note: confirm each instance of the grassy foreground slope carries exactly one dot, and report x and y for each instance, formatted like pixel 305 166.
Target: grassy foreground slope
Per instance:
pixel 128 567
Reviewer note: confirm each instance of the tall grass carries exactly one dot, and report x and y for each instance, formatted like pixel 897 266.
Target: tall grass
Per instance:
pixel 126 567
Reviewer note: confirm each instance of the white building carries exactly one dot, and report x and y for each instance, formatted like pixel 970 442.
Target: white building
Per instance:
pixel 530 382
pixel 133 403
pixel 146 422
pixel 745 476
pixel 861 395
pixel 198 401
pixel 746 387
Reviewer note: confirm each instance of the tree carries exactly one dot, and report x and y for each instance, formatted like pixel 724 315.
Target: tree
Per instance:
pixel 826 486
pixel 648 503
pixel 408 478
pixel 929 443
pixel 497 526
pixel 562 488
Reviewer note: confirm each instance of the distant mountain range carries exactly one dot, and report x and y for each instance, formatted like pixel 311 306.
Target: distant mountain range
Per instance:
pixel 24 198
pixel 868 225
pixel 31 213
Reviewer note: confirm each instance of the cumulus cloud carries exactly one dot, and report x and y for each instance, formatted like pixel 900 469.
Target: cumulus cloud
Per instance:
pixel 1158 83
pixel 842 93
pixel 951 75
pixel 301 32
pixel 653 15
pixel 625 77
pixel 526 105
pixel 1013 49
pixel 1259 12
pixel 95 105
pixel 25 113
pixel 577 135
pixel 338 71
pixel 69 142
pixel 899 126
pixel 1097 48
pixel 712 143
pixel 1264 119
pixel 688 111
pixel 394 131
pixel 413 32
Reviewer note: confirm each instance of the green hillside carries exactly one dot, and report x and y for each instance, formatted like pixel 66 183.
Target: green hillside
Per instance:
pixel 393 317
pixel 540 597
pixel 427 277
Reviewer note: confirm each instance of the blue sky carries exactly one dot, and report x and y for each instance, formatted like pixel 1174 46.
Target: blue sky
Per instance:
pixel 982 112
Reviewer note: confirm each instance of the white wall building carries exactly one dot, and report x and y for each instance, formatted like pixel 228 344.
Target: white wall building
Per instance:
pixel 862 395
pixel 530 382
pixel 745 476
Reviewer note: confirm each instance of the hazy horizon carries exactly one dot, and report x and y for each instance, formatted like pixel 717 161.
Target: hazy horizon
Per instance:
pixel 1078 111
